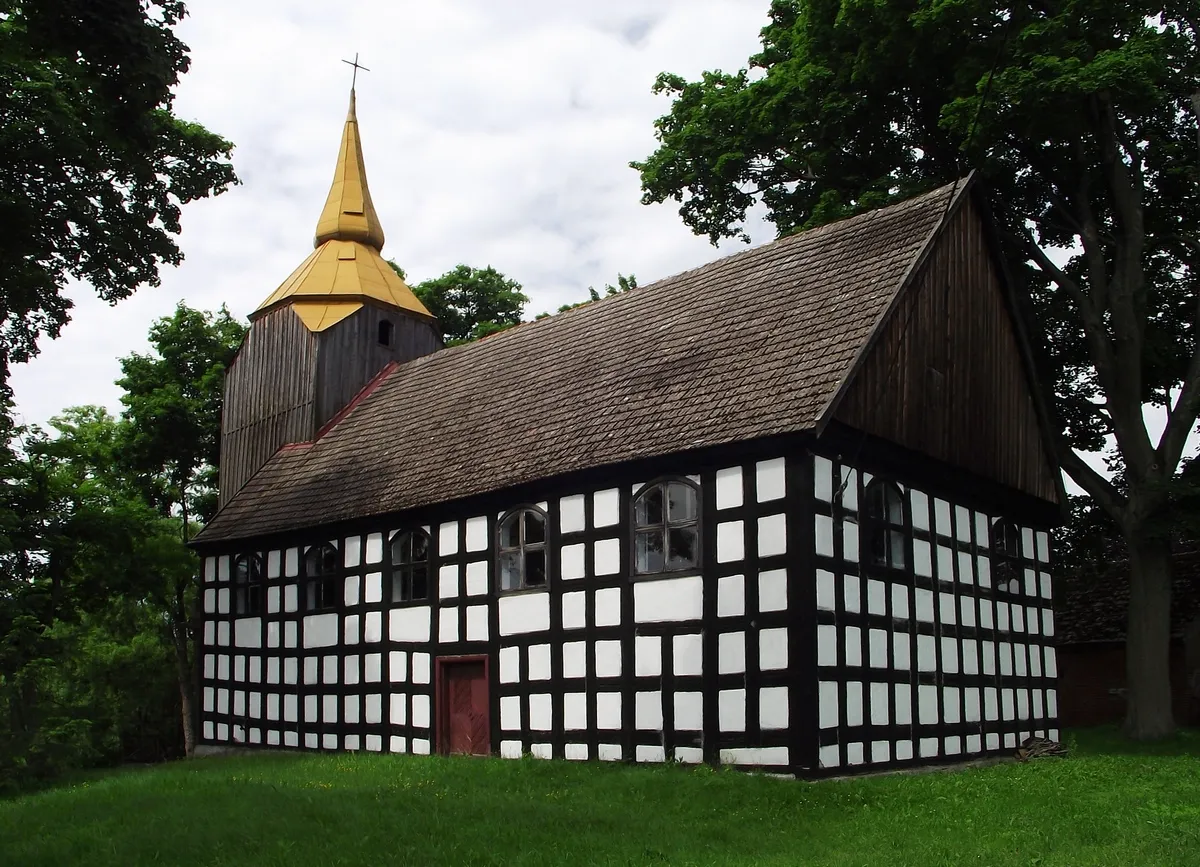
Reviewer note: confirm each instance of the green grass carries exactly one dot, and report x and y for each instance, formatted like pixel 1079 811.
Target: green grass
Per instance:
pixel 1110 803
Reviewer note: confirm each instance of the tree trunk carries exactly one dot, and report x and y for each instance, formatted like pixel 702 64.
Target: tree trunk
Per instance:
pixel 186 691
pixel 1148 641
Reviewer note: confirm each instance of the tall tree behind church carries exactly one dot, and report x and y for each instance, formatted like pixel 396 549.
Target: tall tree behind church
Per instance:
pixel 94 167
pixel 1082 119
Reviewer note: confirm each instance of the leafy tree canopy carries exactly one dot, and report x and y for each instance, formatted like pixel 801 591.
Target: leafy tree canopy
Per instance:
pixel 624 284
pixel 470 303
pixel 94 166
pixel 1081 117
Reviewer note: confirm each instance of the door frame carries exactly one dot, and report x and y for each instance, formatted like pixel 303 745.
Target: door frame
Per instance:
pixel 441 715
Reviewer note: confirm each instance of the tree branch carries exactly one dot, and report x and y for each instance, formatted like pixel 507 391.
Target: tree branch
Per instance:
pixel 1101 489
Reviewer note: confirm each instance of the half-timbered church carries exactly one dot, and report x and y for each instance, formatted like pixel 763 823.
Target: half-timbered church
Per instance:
pixel 788 510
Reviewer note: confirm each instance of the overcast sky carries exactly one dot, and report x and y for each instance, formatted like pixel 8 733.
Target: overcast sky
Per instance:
pixel 494 134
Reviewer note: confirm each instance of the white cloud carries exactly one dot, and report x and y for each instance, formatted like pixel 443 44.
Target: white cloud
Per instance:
pixel 494 133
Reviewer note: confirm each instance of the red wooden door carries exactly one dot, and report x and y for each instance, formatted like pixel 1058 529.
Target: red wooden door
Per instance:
pixel 465 708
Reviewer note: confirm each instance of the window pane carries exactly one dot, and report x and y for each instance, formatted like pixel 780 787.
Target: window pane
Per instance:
pixel 877 540
pixel 649 551
pixel 419 588
pixel 510 531
pixel 329 592
pixel 311 595
pixel 895 507
pixel 399 590
pixel 682 552
pixel 649 509
pixel 510 570
pixel 256 600
pixel 241 570
pixel 896 550
pixel 535 528
pixel 239 601
pixel 535 568
pixel 420 548
pixel 400 550
pixel 681 502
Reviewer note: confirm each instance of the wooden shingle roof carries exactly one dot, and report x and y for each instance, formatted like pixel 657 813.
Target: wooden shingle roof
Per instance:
pixel 748 346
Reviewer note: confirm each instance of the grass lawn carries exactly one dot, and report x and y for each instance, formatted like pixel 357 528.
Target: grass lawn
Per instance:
pixel 1110 803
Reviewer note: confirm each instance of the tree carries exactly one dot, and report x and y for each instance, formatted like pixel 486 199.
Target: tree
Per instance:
pixel 171 452
pixel 1081 118
pixel 624 284
pixel 470 303
pixel 94 167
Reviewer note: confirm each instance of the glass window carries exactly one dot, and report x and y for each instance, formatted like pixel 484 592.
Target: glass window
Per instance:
pixel 248 588
pixel 666 532
pixel 323 587
pixel 522 554
pixel 410 566
pixel 884 529
pixel 1006 555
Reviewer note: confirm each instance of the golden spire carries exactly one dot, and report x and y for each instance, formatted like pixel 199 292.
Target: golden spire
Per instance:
pixel 349 214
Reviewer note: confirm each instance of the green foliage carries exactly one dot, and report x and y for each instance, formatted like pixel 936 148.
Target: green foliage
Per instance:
pixel 173 408
pixel 470 303
pixel 94 167
pixel 624 284
pixel 1106 804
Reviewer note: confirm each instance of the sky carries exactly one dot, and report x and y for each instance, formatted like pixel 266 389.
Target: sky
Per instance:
pixel 493 133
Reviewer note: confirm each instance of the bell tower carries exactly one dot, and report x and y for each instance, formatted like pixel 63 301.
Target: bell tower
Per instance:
pixel 317 340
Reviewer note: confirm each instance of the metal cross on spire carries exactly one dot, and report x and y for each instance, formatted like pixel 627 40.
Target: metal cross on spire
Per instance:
pixel 357 66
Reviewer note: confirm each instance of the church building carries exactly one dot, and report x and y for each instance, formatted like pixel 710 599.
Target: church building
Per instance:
pixel 786 511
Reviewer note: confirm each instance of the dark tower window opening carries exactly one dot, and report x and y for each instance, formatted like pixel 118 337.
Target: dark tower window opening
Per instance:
pixel 386 332
pixel 883 525
pixel 1006 555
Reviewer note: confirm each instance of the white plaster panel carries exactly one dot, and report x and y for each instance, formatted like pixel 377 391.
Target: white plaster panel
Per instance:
pixel 574 610
pixel 1027 547
pixel 608 658
pixel 920 510
pixel 524 612
pixel 772 590
pixel 772 536
pixel 210 666
pixel 1008 709
pixel 477 578
pixel 770 479
pixel 448 539
pixel 731 710
pixel 966 605
pixel 830 756
pixel 729 488
pixel 575 711
pixel 255 669
pixel 373 588
pixel 1035 661
pixel 410 624
pixel 350 589
pixel 666 599
pixel 477 623
pixel 541 715
pixel 247 632
pixel 899 602
pixel 951 705
pixel 448 581
pixel 923 604
pixel 945 563
pixel 1052 707
pixel 274 598
pixel 210 632
pixel 351 672
pixel 773 707
pixel 373 667
pixel 901 651
pixel 827 644
pixel 510 712
pixel 223 567
pixel 606 507
pixel 421 668
pixel 903 696
pixel 827 704
pixel 971 705
pixel 689 711
pixel 854 754
pixel 922 558
pixel 822 478
pixel 647 711
pixel 851 593
pixel 1051 662
pixel 320 630
pixel 1006 659
pixel 310 708
pixel 574 659
pixel 731 541
pixel 273 635
pixel 575 752
pixel 352 551
pixel 223 601
pixel 350 707
pixel 398 666
pixel 647 656
pixel 962 524
pixel 826 591
pixel 210 567
pixel 953 745
pixel 731 653
pixel 970 656
pixel 329 667
pixel 608 713
pixel 773 649
pixel 877 643
pixel 850 549
pixel 606 554
pixel 824 535
pixel 941 515
pixel 1002 616
pixel 927 704
pixel 510 664
pixel 991 703
pixel 329 710
pixel 291 598
pixel 570 514
pixel 849 488
pixel 290 670
pixel 374 548
pixel 966 568
pixel 373 627
pixel 731 596
pixel 926 653
pixel 649 753
pixel 854 703
pixel 351 629
pixel 688 653
pixel 510 749
pixel 539 662
pixel 420 712
pixel 291 562
pixel 477 533
pixel 608 606
pixel 1043 546
pixel 947 612
pixel 222 667
pixel 983 571
pixel 572 561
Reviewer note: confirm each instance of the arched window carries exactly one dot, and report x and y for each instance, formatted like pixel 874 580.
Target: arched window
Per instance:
pixel 522 547
pixel 323 587
pixel 883 525
pixel 386 330
pixel 247 585
pixel 1006 555
pixel 410 566
pixel 666 528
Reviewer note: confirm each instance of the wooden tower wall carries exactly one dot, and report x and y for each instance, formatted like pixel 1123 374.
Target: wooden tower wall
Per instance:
pixel 954 387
